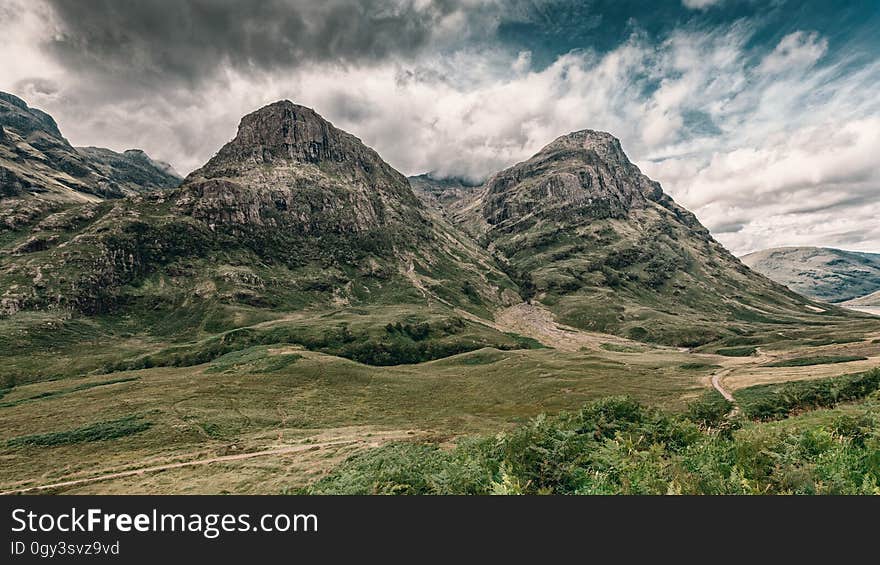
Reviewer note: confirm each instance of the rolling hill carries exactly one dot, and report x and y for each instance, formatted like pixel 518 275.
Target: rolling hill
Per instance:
pixel 832 275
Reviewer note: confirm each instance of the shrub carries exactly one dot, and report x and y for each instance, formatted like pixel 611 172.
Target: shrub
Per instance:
pixel 737 351
pixel 99 431
pixel 710 410
pixel 818 360
pixel 616 446
pixel 774 401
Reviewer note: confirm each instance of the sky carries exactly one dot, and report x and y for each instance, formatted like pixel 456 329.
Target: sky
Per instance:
pixel 760 116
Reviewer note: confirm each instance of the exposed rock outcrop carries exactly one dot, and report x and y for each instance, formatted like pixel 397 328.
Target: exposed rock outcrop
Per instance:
pixel 288 167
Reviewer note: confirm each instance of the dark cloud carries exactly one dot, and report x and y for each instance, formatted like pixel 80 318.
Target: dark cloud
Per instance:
pixel 187 40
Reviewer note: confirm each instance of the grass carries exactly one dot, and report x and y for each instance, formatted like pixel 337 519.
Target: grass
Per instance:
pixel 55 393
pixel 368 340
pixel 619 348
pixel 284 378
pixel 817 360
pixel 698 366
pixel 258 360
pixel 235 400
pixel 99 431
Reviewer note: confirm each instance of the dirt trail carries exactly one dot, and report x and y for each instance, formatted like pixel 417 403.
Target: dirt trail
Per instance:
pixel 374 441
pixel 716 382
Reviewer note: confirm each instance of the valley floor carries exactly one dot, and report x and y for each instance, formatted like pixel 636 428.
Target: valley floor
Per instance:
pixel 271 419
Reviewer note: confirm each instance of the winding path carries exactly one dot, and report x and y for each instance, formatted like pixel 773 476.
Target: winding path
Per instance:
pixel 716 382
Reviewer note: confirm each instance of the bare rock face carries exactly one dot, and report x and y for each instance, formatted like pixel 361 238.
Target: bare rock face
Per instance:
pixel 288 167
pixel 584 173
pixel 580 176
pixel 36 159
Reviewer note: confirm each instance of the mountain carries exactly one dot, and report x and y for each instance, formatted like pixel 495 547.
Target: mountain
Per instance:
pixel 584 232
pixel 36 159
pixel 832 275
pixel 295 219
pixel 445 195
pixel 293 213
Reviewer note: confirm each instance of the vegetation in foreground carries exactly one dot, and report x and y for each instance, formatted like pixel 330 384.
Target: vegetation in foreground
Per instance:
pixel 780 400
pixel 617 446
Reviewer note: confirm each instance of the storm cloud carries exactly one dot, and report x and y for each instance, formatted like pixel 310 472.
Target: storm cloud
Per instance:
pixel 188 40
pixel 762 118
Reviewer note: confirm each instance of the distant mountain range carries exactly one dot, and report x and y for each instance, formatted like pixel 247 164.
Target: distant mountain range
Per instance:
pixel 36 159
pixel 832 275
pixel 41 172
pixel 295 214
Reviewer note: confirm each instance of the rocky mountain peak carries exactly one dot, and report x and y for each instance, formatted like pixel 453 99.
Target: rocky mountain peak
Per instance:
pixel 285 130
pixel 285 133
pixel 582 175
pixel 602 144
pixel 289 166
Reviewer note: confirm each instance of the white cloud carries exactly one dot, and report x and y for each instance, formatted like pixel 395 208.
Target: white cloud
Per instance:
pixel 700 4
pixel 795 51
pixel 24 26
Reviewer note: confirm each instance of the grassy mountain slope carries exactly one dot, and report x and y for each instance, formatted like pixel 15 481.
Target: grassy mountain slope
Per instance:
pixel 584 232
pixel 35 159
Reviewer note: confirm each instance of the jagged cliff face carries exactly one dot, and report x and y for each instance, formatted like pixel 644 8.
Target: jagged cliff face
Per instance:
pixel 580 176
pixel 586 233
pixel 289 168
pixel 36 160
